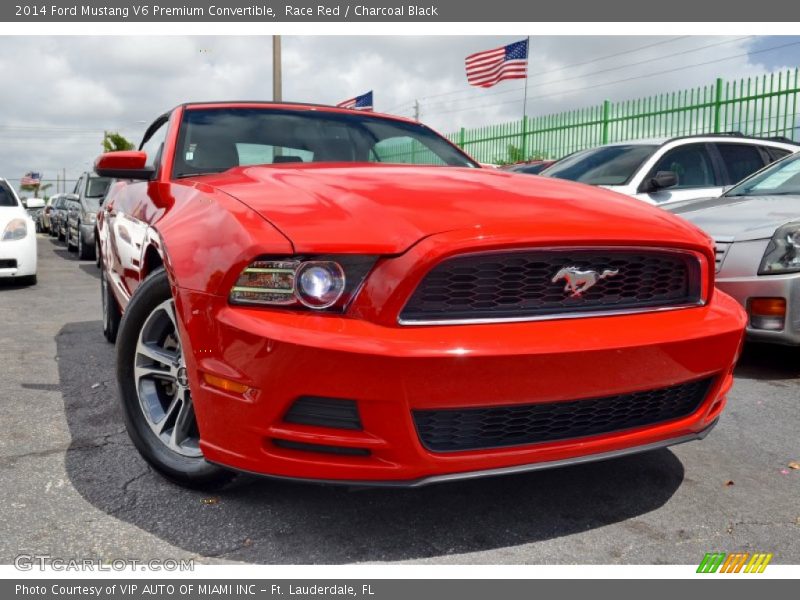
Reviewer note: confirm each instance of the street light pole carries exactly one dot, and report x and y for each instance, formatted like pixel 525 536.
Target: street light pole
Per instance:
pixel 277 94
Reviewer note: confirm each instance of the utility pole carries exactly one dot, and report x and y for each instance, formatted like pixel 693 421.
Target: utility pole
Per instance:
pixel 416 110
pixel 277 94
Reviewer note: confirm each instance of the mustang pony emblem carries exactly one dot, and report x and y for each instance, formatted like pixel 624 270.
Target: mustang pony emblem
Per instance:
pixel 578 281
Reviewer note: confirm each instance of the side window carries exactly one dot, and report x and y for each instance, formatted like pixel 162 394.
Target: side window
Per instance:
pixel 154 145
pixel 691 163
pixel 78 186
pixel 775 153
pixel 740 160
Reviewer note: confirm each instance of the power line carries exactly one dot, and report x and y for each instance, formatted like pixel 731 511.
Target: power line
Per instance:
pixel 555 70
pixel 610 69
pixel 607 83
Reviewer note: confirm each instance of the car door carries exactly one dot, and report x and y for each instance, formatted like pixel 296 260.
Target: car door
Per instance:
pixel 698 175
pixel 74 208
pixel 740 160
pixel 128 217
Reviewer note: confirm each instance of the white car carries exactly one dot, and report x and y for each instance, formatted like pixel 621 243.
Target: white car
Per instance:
pixel 17 237
pixel 662 171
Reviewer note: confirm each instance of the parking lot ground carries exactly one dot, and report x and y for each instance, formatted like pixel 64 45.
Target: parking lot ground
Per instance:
pixel 73 486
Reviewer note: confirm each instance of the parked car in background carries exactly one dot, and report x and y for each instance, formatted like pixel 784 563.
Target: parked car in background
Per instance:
pixel 533 167
pixel 58 217
pixel 44 217
pixel 82 215
pixel 18 257
pixel 328 313
pixel 34 207
pixel 756 228
pixel 672 170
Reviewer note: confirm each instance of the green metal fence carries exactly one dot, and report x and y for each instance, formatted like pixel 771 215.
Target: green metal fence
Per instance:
pixel 764 106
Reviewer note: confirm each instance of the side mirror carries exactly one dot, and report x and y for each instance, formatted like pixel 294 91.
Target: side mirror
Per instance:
pixel 73 197
pixel 659 181
pixel 125 164
pixel 35 203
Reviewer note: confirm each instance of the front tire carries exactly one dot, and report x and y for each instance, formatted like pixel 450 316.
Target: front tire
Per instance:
pixel 85 252
pixel 154 389
pixel 70 247
pixel 111 312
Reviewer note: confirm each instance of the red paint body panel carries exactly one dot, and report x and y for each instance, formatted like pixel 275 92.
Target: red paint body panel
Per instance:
pixel 207 229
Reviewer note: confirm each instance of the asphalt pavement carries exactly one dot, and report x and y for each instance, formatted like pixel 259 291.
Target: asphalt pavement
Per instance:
pixel 73 486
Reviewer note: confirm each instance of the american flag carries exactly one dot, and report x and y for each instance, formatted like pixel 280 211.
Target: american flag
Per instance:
pixel 487 68
pixel 31 178
pixel 362 102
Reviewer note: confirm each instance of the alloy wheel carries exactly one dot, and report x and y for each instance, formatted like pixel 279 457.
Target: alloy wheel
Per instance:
pixel 162 382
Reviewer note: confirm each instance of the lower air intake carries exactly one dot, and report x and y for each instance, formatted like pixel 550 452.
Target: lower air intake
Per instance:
pixel 496 427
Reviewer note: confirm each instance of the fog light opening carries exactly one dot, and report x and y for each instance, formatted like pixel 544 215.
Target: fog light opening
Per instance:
pixel 767 313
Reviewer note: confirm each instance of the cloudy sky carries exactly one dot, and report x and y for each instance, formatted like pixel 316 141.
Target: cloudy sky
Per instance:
pixel 60 93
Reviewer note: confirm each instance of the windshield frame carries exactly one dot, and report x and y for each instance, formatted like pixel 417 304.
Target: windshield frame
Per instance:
pixel 634 172
pixel 305 111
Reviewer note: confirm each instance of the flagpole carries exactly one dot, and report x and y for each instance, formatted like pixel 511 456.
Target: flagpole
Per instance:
pixel 525 102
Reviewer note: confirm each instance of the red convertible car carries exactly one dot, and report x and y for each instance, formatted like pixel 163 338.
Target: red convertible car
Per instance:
pixel 310 292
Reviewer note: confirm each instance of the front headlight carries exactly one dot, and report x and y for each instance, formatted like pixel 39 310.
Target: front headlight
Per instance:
pixel 15 230
pixel 319 282
pixel 783 252
pixel 90 218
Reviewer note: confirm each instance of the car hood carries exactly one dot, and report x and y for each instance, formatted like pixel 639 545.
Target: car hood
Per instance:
pixel 740 218
pixel 387 209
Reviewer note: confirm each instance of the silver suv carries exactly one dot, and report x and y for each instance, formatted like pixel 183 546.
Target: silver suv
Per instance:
pixel 662 171
pixel 90 190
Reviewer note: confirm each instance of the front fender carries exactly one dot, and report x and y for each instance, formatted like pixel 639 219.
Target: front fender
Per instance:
pixel 205 237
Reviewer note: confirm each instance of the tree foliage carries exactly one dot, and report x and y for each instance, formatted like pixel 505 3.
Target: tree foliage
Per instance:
pixel 113 141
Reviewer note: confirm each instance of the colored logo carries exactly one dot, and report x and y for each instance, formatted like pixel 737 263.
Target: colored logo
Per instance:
pixel 738 562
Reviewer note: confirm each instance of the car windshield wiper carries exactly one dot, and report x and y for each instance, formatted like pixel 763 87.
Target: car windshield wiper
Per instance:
pixel 184 175
pixel 795 193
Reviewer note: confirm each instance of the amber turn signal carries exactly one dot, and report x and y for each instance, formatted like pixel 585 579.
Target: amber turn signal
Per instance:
pixel 225 384
pixel 768 307
pixel 767 313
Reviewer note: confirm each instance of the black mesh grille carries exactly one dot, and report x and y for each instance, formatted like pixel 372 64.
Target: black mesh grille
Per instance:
pixel 520 284
pixel 324 412
pixel 8 263
pixel 469 429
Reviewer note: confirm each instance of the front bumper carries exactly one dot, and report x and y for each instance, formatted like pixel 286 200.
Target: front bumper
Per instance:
pixel 391 370
pixel 744 289
pixel 23 252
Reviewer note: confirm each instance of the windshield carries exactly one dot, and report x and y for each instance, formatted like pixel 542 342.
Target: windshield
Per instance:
pixel 607 165
pixel 96 187
pixel 780 178
pixel 6 197
pixel 214 140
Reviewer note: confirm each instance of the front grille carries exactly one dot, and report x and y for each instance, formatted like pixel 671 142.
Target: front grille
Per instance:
pixel 450 430
pixel 519 284
pixel 721 248
pixel 8 263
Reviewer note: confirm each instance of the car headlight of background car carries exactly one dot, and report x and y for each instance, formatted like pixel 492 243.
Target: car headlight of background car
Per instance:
pixel 318 283
pixel 15 230
pixel 90 218
pixel 783 252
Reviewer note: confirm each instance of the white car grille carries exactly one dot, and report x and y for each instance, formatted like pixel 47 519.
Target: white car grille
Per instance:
pixel 721 248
